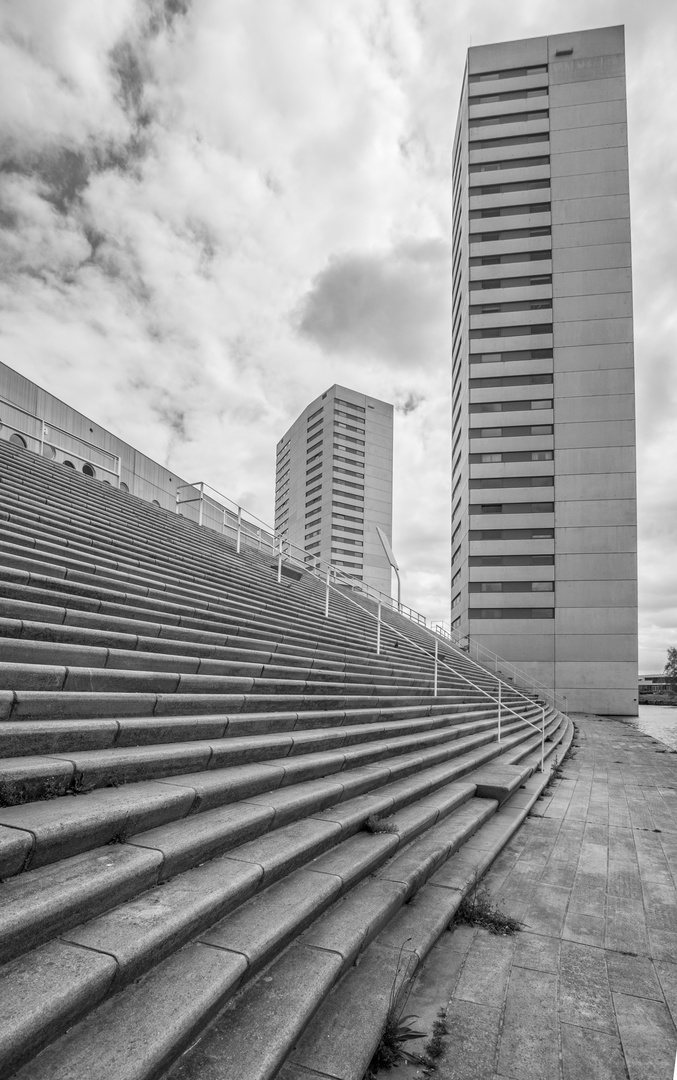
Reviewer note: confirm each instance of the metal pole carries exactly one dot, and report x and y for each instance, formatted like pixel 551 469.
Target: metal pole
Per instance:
pixel 199 513
pixel 239 529
pixel 500 708
pixel 436 651
pixel 326 595
pixel 399 589
pixel 279 568
pixel 543 739
pixel 378 630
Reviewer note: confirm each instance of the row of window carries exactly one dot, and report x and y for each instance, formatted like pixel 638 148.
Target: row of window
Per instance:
pixel 510 186
pixel 508 118
pixel 511 560
pixel 509 211
pixel 510 455
pixel 508 73
pixel 512 508
pixel 498 307
pixel 511 534
pixel 510 586
pixel 509 357
pixel 507 95
pixel 491 382
pixel 511 482
pixel 540 161
pixel 511 613
pixel 518 431
pixel 511 406
pixel 509 234
pixel 510 140
pixel 511 282
pixel 511 331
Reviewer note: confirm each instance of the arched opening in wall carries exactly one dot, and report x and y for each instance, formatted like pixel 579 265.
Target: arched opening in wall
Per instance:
pixel 68 464
pixel 155 502
pixel 107 482
pixel 18 440
pixel 123 486
pixel 88 470
pixel 48 451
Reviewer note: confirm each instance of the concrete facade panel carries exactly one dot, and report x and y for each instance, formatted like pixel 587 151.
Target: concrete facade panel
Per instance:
pixel 578 486
pixel 593 408
pixel 580 162
pixel 595 137
pixel 572 71
pixel 617 674
pixel 591 459
pixel 621 566
pixel 588 539
pixel 608 701
pixel 599 257
pixel 597 594
pixel 602 306
pixel 596 620
pixel 590 185
pixel 582 234
pixel 600 513
pixel 599 357
pixel 588 45
pixel 589 208
pixel 586 114
pixel 594 648
pixel 611 433
pixel 584 91
pixel 592 282
pixel 593 332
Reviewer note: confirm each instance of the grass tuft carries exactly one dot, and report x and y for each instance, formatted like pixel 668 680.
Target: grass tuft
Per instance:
pixel 376 824
pixel 476 909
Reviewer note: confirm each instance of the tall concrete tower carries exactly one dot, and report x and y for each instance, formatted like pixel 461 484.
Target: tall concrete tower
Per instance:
pixel 543 421
pixel 334 484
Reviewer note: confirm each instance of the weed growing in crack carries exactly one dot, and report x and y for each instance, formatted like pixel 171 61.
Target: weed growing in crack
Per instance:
pixel 434 1048
pixel 476 909
pixel 398 1029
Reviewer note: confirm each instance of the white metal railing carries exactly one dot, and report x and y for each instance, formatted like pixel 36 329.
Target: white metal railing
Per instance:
pixel 47 440
pixel 218 512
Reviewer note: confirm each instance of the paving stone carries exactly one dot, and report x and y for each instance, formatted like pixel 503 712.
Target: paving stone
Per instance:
pixel 529 1043
pixel 648 1037
pixel 471 1047
pixel 585 929
pixel 633 975
pixel 537 952
pixel 663 945
pixel 485 974
pixel 546 910
pixel 584 994
pixel 667 975
pixel 587 1053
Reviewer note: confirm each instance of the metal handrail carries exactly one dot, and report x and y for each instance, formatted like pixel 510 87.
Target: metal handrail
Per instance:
pixel 104 459
pixel 497 700
pixel 235 519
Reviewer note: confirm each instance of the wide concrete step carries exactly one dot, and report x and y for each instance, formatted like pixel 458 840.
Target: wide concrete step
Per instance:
pixel 270 901
pixel 46 831
pixel 24 778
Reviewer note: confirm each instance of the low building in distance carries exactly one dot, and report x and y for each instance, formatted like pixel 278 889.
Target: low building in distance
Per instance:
pixel 543 421
pixel 334 484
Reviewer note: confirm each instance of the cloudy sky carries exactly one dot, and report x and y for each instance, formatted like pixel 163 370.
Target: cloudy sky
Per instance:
pixel 212 210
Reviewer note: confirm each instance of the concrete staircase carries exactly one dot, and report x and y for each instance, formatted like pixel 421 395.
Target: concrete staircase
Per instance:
pixel 194 759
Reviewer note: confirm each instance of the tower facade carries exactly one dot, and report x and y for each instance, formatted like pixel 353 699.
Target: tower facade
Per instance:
pixel 543 433
pixel 334 484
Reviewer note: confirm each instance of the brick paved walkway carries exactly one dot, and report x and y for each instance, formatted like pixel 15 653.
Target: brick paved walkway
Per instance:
pixel 588 991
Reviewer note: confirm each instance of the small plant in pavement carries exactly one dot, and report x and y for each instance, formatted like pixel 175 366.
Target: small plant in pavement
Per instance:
pixel 476 909
pixel 376 824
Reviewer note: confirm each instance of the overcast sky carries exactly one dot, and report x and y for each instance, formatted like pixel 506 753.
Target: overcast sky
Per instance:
pixel 213 210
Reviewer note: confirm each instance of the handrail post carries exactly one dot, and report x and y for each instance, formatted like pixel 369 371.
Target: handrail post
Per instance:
pixel 543 739
pixel 239 529
pixel 200 512
pixel 378 630
pixel 279 567
pixel 436 656
pixel 326 595
pixel 500 707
